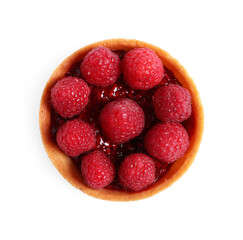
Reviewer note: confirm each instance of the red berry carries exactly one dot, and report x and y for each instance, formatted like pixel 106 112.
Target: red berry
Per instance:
pixel 70 96
pixel 75 137
pixel 172 103
pixel 137 172
pixel 97 170
pixel 101 67
pixel 166 141
pixel 142 68
pixel 121 120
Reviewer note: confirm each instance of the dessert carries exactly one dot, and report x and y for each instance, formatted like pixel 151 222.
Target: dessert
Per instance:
pixel 101 144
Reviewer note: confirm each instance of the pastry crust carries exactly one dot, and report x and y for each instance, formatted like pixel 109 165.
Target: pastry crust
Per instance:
pixel 65 165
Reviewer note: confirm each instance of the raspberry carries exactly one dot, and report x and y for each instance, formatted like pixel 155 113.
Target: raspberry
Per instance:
pixel 75 137
pixel 121 120
pixel 166 141
pixel 101 67
pixel 70 96
pixel 97 170
pixel 172 103
pixel 142 68
pixel 137 172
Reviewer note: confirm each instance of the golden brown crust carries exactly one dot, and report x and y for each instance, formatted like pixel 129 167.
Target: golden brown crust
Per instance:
pixel 67 168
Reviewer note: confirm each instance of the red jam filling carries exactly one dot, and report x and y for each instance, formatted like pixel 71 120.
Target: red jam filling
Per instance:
pixel 102 95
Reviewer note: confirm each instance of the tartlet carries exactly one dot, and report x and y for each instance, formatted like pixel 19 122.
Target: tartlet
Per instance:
pixel 67 167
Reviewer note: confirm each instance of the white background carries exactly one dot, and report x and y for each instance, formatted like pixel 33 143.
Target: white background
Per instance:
pixel 205 36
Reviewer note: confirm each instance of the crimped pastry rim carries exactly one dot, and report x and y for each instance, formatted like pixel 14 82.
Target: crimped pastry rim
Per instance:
pixel 67 168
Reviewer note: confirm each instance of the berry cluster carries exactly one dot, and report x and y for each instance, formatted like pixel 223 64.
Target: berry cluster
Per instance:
pixel 121 120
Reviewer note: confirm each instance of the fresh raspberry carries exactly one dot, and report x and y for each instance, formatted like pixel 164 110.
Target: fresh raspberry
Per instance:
pixel 75 137
pixel 70 96
pixel 166 141
pixel 101 67
pixel 137 172
pixel 172 103
pixel 142 68
pixel 97 170
pixel 121 120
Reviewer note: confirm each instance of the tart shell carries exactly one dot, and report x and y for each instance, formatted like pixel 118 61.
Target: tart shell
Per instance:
pixel 65 165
